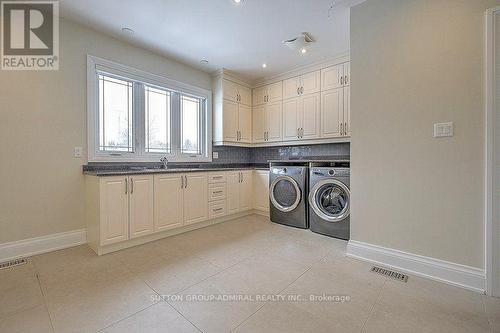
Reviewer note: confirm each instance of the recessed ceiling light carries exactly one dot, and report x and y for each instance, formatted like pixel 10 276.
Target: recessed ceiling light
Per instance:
pixel 303 50
pixel 127 31
pixel 204 61
pixel 264 65
pixel 237 1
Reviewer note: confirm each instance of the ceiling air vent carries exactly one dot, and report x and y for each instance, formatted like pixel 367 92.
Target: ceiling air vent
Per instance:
pixel 299 42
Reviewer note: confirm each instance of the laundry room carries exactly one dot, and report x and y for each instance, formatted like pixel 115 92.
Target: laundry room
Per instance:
pixel 250 166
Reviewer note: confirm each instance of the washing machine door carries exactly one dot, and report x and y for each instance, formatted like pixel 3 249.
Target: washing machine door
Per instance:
pixel 285 193
pixel 330 200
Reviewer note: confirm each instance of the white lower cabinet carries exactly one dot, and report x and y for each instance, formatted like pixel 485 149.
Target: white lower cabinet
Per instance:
pixel 125 208
pixel 169 198
pixel 141 205
pixel 195 198
pixel 239 191
pixel 113 213
pixel 121 208
pixel 261 190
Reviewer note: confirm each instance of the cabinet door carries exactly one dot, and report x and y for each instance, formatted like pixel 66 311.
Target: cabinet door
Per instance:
pixel 258 95
pixel 290 87
pixel 230 121
pixel 310 116
pixel 245 95
pixel 114 210
pixel 330 77
pixel 274 118
pixel 261 190
pixel 233 192
pixel 332 112
pixel 195 198
pixel 347 109
pixel 168 201
pixel 275 92
pixel 290 119
pixel 310 82
pixel 347 74
pixel 230 91
pixel 246 190
pixel 141 205
pixel 259 123
pixel 245 123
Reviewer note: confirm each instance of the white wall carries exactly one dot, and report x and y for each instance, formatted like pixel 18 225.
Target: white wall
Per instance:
pixel 43 116
pixel 416 62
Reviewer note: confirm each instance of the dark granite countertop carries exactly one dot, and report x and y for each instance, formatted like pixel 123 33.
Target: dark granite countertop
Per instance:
pixel 101 170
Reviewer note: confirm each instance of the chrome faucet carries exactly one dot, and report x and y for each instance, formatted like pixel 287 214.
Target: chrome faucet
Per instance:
pixel 164 160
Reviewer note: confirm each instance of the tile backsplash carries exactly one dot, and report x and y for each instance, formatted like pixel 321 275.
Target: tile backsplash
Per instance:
pixel 263 154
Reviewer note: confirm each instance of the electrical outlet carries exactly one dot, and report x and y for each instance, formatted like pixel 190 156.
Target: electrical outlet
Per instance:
pixel 215 154
pixel 443 129
pixel 78 152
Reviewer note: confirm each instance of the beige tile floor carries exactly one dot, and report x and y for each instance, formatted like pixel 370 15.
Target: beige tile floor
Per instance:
pixel 268 266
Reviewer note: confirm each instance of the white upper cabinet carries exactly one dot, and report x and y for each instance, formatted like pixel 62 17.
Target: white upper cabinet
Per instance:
pixel 274 92
pixel 259 123
pixel 332 112
pixel 291 121
pixel 259 95
pixel 230 123
pixel 230 90
pixel 309 116
pixel 236 92
pixel 291 87
pixel 268 94
pixel 335 101
pixel 335 76
pixel 274 116
pixel 245 123
pixel 308 83
pixel 232 116
pixel 267 122
pixel 245 95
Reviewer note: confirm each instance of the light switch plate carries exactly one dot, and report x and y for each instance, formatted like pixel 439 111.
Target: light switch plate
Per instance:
pixel 215 154
pixel 443 129
pixel 77 152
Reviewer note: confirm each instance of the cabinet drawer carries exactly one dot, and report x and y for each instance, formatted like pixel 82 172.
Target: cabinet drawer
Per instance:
pixel 217 208
pixel 216 177
pixel 216 191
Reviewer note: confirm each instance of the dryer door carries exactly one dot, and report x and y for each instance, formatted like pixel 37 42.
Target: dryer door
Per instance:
pixel 330 200
pixel 285 193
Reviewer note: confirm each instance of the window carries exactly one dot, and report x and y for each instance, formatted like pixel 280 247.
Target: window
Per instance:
pixel 191 126
pixel 157 112
pixel 137 116
pixel 115 114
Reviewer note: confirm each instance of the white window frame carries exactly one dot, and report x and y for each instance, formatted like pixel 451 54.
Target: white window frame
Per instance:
pixel 96 65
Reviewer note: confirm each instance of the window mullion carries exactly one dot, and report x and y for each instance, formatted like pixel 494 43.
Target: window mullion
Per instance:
pixel 139 120
pixel 175 125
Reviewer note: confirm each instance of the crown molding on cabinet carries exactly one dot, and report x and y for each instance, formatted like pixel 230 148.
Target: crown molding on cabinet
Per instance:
pixel 231 76
pixel 338 59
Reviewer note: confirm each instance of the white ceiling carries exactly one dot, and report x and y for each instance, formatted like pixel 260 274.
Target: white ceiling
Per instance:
pixel 236 37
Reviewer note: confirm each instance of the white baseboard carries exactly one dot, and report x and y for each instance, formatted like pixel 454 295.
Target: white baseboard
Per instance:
pixel 435 269
pixel 37 245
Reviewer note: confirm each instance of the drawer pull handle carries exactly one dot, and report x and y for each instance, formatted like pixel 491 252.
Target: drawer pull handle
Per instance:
pixel 217 177
pixel 215 192
pixel 217 209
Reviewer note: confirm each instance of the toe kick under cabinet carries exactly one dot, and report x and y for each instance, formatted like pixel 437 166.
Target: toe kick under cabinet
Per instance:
pixel 128 210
